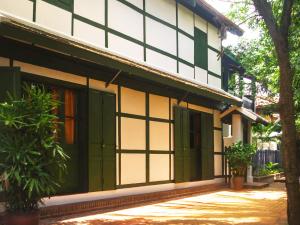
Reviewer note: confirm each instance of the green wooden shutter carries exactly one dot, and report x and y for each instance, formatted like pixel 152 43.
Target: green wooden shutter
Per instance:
pixel 201 49
pixel 207 146
pixel 10 82
pixel 186 144
pixel 178 145
pixel 109 141
pixel 95 141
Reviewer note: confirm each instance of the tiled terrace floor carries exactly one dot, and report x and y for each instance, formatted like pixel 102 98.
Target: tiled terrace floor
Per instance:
pixel 256 207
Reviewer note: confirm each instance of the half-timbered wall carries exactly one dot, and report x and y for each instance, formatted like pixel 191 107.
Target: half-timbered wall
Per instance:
pixel 144 128
pixel 161 33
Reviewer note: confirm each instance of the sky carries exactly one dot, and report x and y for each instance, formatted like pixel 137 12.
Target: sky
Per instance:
pixel 223 6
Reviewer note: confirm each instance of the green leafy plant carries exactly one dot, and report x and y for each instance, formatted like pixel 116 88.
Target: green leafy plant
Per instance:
pixel 239 156
pixel 270 168
pixel 29 151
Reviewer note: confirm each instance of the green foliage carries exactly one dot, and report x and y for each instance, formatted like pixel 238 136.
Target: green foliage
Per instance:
pixel 270 168
pixel 29 149
pixel 239 156
pixel 258 56
pixel 263 133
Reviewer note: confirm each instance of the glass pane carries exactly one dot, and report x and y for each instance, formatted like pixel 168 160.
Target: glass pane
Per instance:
pixel 69 116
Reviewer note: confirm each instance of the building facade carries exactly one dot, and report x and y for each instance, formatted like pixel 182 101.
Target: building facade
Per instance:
pixel 140 83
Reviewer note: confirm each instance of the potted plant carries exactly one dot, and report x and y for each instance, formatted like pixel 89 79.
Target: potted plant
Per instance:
pixel 29 153
pixel 239 157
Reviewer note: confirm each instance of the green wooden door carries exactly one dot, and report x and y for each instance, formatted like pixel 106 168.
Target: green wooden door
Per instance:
pixel 182 145
pixel 109 141
pixel 10 82
pixel 207 147
pixel 102 141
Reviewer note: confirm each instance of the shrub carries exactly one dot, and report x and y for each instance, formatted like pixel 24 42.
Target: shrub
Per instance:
pixel 29 149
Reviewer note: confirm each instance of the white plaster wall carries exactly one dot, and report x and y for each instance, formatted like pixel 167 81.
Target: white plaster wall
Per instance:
pixel 214 81
pixel 4 61
pixel 217 141
pixel 162 9
pixel 91 9
pixel 20 8
pixel 55 74
pixel 186 71
pixel 132 101
pixel 159 167
pixel 200 75
pixel 161 61
pixel 160 36
pixel 125 20
pixel 213 37
pixel 53 17
pixel 200 23
pixel 125 47
pixel 133 167
pixel 158 106
pixel 172 137
pixel 185 20
pixel 218 165
pixel 133 134
pixel 185 48
pixel 159 136
pixel 214 62
pixel 137 3
pixel 117 169
pixel 89 33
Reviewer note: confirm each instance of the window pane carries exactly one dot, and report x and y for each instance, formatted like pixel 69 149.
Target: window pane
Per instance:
pixel 69 116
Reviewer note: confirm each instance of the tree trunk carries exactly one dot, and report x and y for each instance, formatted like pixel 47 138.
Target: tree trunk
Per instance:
pixel 289 145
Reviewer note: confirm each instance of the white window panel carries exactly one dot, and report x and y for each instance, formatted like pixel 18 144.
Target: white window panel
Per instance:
pixel 133 134
pixel 158 106
pixel 218 165
pixel 133 102
pixel 159 167
pixel 200 75
pixel 53 17
pixel 91 9
pixel 162 9
pixel 214 62
pixel 159 136
pixel 125 20
pixel 162 61
pixel 20 8
pixel 185 20
pixel 186 48
pixel 137 3
pixel 160 36
pixel 201 23
pixel 186 71
pixel 125 47
pixel 214 81
pixel 213 37
pixel 133 168
pixel 89 33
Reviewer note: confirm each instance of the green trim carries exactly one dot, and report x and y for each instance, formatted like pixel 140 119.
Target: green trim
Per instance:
pixel 147 138
pixel 144 30
pixel 106 23
pixel 214 74
pixel 218 153
pixel 119 131
pixel 63 4
pixel 34 11
pixel 72 21
pixel 213 49
pixel 140 117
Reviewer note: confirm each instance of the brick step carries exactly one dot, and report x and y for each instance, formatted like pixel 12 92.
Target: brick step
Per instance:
pixel 112 204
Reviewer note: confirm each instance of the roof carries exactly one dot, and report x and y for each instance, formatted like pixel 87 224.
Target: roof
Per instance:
pixel 205 10
pixel 29 32
pixel 246 113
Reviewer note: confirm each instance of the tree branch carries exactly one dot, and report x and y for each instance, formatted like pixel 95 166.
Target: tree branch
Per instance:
pixel 286 17
pixel 264 9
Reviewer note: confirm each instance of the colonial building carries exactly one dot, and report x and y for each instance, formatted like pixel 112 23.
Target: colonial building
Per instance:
pixel 141 86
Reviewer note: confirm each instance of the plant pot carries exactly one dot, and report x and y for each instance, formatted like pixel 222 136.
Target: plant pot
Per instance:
pixel 30 218
pixel 238 183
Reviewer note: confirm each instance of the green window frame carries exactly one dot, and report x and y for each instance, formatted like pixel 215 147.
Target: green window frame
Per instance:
pixel 63 4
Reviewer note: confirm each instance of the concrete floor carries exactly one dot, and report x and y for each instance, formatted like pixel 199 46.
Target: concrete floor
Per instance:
pixel 256 207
